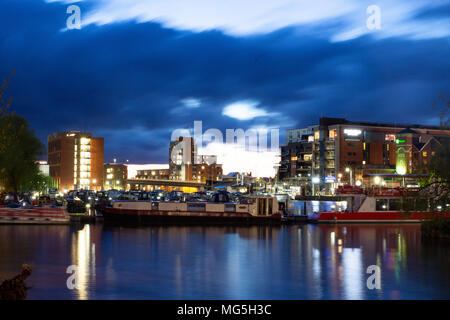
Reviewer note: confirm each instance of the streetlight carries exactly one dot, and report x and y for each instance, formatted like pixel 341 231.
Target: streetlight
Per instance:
pixel 377 180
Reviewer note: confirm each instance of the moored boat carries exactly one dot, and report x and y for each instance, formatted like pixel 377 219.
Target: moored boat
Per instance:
pixel 255 209
pixel 45 214
pixel 382 206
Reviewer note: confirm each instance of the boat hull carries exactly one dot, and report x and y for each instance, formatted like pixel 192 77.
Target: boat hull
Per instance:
pixel 374 217
pixel 140 217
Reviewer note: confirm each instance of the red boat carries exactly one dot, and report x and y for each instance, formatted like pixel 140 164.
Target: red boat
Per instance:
pixel 380 206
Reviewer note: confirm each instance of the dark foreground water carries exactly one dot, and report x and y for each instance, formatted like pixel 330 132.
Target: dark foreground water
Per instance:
pixel 287 262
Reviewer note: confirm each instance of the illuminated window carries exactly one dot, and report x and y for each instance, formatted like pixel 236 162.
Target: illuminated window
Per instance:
pixel 389 137
pixel 109 176
pixel 425 154
pixel 316 135
pixel 332 134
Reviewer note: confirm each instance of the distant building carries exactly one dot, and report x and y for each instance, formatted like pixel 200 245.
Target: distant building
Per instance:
pixel 300 135
pixel 182 153
pixel 75 160
pixel 206 169
pixel 185 164
pixel 44 168
pixel 158 174
pixel 115 176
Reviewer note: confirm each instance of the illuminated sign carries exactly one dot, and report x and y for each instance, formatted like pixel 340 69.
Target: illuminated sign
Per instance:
pixel 352 132
pixel 330 179
pixel 398 141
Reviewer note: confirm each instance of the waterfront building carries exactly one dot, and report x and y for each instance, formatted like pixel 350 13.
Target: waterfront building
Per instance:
pixel 206 169
pixel 187 165
pixel 300 135
pixel 182 153
pixel 115 176
pixel 296 165
pixel 363 153
pixel 158 174
pixel 76 160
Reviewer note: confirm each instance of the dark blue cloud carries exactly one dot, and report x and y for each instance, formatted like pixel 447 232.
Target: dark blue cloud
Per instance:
pixel 126 81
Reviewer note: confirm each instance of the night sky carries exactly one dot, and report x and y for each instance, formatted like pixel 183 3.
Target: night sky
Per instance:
pixel 137 69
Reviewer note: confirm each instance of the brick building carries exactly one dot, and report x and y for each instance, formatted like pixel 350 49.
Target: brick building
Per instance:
pixel 76 160
pixel 115 176
pixel 356 152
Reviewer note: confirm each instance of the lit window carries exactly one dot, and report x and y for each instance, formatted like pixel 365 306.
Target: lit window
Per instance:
pixel 389 137
pixel 425 154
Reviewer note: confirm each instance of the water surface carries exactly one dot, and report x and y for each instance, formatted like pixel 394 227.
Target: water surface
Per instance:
pixel 258 262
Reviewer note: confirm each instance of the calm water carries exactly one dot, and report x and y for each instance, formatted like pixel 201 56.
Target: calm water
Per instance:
pixel 287 262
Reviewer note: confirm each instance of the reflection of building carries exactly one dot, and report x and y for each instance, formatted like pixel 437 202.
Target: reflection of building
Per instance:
pixel 346 151
pixel 115 176
pixel 76 160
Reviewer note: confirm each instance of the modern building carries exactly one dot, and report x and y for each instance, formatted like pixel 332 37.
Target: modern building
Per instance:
pixel 43 166
pixel 154 174
pixel 185 164
pixel 206 169
pixel 300 135
pixel 115 176
pixel 182 153
pixel 296 165
pixel 76 160
pixel 359 153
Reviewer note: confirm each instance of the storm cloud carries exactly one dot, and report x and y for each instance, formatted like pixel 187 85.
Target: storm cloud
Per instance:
pixel 134 82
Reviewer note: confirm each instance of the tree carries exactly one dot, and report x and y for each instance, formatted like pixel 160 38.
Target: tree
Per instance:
pixel 19 148
pixel 436 187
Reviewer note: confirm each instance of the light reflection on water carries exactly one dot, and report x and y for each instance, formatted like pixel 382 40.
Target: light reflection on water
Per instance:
pixel 259 262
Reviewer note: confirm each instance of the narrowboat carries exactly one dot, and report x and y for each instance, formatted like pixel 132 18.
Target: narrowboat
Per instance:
pixel 252 209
